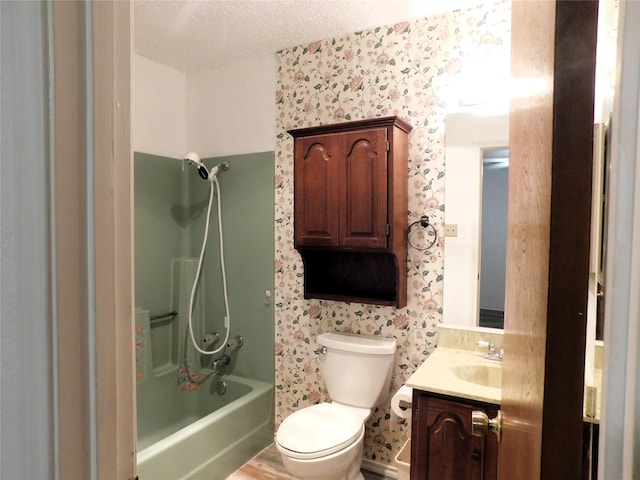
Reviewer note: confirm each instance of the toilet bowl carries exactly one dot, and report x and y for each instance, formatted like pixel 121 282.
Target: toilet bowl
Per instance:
pixel 325 441
pixel 342 465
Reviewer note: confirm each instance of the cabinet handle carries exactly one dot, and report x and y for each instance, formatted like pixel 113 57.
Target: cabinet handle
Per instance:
pixel 475 456
pixel 481 424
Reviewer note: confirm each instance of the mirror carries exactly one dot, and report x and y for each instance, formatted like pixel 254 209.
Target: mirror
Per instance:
pixel 476 130
pixel 493 236
pixel 476 153
pixel 606 53
pixel 476 188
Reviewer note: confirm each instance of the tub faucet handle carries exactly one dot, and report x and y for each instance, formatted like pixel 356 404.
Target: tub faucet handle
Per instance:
pixel 210 339
pixel 235 343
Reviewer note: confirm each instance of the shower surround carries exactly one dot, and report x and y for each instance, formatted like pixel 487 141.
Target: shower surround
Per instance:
pixel 186 430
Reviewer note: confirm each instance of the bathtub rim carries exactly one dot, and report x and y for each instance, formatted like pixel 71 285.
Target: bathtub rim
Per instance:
pixel 257 388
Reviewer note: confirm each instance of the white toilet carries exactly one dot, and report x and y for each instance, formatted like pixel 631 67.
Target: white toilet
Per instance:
pixel 325 441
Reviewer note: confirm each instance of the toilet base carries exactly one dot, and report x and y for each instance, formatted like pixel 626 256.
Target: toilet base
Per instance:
pixel 342 465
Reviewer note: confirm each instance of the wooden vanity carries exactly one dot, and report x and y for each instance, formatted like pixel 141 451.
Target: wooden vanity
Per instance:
pixel 442 446
pixel 448 387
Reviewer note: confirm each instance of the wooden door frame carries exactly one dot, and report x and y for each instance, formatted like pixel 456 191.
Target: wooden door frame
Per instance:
pixel 72 296
pixel 93 186
pixel 572 169
pixel 113 237
pixel 551 132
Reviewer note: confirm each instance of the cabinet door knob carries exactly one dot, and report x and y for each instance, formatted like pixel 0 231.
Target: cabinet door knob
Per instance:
pixel 475 456
pixel 481 424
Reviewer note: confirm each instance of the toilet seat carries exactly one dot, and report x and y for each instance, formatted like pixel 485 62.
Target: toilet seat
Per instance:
pixel 320 430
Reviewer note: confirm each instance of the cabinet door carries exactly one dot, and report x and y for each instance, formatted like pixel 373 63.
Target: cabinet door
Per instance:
pixel 364 216
pixel 443 447
pixel 317 195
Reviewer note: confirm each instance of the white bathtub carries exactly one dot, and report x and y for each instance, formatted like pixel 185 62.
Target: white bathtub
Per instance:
pixel 201 434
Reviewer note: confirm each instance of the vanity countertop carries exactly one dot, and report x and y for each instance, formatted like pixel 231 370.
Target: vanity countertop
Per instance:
pixel 458 368
pixel 437 375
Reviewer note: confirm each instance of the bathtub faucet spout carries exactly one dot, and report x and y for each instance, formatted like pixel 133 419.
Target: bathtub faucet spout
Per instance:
pixel 218 363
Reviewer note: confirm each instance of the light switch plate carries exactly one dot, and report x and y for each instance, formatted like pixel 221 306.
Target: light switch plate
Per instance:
pixel 451 230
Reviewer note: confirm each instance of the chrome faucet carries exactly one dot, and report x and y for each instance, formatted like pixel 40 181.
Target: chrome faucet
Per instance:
pixel 218 363
pixel 492 354
pixel 500 355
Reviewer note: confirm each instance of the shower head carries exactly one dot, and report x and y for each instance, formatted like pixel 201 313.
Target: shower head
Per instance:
pixel 193 159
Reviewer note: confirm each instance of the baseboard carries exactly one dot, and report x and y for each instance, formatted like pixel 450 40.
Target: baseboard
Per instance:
pixel 386 471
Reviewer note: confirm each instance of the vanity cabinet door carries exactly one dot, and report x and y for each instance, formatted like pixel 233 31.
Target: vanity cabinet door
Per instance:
pixel 442 446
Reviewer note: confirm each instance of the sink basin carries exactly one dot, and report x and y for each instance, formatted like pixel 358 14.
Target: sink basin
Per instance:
pixel 481 374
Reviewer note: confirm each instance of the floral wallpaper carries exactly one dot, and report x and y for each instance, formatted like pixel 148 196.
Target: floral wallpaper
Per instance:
pixel 413 70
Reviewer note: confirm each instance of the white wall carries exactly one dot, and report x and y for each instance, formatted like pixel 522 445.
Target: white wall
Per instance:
pixel 231 109
pixel 224 111
pixel 159 109
pixel 467 134
pixel 619 427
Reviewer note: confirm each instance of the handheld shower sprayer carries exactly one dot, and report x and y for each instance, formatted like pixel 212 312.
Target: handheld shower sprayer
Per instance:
pixel 193 159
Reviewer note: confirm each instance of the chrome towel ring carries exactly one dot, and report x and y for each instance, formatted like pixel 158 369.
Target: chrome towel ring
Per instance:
pixel 430 231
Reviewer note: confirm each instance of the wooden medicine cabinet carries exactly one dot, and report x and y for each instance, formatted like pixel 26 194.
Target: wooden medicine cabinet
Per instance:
pixel 350 210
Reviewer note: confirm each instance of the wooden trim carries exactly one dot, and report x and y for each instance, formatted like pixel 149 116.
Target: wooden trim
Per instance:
pixel 70 237
pixel 376 122
pixel 114 409
pixel 572 167
pixel 113 183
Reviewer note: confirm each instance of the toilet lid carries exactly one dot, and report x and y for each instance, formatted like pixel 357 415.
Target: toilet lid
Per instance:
pixel 321 429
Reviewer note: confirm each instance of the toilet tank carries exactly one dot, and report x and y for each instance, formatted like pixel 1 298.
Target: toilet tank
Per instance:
pixel 357 368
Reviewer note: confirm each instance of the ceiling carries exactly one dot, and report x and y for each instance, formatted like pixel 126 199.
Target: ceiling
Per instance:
pixel 191 35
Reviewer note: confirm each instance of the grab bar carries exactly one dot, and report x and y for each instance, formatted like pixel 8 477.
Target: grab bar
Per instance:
pixel 157 318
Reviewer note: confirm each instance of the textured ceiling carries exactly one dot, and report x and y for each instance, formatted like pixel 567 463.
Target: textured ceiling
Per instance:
pixel 191 35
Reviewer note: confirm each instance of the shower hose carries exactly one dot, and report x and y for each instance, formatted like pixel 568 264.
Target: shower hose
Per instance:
pixel 227 322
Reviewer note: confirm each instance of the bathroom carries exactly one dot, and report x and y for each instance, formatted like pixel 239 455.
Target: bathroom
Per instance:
pixel 390 83
pixel 75 419
pixel 204 93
